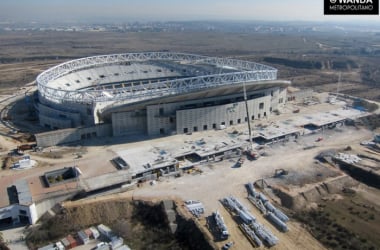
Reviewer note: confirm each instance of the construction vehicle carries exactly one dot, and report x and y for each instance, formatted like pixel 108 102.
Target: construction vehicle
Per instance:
pixel 319 139
pixel 252 155
pixel 196 169
pixel 239 162
pixel 24 147
pixel 280 172
pixel 220 225
pixel 228 245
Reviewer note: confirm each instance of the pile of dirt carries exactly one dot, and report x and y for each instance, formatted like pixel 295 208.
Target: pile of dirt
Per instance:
pixel 335 214
pixel 8 162
pixel 25 137
pixel 360 173
pixel 314 193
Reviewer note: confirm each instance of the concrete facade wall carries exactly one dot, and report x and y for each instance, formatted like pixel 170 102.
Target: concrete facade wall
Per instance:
pixel 125 123
pixel 7 212
pixel 278 98
pixel 100 130
pixel 33 216
pixel 300 95
pixel 56 137
pixel 161 118
pixel 168 118
pixel 53 118
pixel 55 123
pixel 63 136
pixel 43 206
pixel 201 119
pixel 177 117
pixel 33 211
pixel 80 114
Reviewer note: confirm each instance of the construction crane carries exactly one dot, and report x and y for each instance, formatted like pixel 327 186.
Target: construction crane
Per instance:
pixel 333 98
pixel 249 124
pixel 251 154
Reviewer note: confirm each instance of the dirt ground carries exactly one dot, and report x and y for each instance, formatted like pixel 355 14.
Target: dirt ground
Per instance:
pixel 351 221
pixel 25 54
pixel 222 180
pixel 141 225
pixel 217 180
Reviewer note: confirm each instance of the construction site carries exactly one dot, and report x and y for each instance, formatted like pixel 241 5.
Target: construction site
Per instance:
pixel 189 135
pixel 305 178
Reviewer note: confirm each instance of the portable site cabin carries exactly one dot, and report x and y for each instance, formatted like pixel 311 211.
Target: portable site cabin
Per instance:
pixel 69 242
pixel 95 232
pixel 106 231
pixel 83 237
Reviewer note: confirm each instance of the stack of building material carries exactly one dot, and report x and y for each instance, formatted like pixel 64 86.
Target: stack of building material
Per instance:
pixel 195 207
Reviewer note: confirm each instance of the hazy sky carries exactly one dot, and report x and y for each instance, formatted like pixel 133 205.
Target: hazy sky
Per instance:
pixel 163 10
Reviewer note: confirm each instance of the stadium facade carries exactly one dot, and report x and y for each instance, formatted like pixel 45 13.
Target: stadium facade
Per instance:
pixel 152 93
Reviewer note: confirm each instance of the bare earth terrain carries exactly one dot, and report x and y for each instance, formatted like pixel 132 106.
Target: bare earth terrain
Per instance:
pixel 338 221
pixel 219 179
pixel 308 60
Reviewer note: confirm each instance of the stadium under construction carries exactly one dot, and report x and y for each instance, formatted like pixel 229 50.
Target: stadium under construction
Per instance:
pixel 155 93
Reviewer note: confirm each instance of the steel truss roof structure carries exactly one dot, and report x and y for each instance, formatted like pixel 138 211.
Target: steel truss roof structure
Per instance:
pixel 247 72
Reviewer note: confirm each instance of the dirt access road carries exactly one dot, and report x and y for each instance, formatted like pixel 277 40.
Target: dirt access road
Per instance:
pixel 219 180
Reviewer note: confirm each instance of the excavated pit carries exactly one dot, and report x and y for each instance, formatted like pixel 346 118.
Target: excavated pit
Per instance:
pixel 142 224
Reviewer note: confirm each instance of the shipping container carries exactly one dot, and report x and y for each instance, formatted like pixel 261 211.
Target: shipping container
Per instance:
pixel 73 242
pixel 83 237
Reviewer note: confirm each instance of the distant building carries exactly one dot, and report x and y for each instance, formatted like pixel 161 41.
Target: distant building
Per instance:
pixel 21 209
pixel 26 200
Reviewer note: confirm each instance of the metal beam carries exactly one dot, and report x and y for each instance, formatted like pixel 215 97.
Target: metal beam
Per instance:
pixel 248 72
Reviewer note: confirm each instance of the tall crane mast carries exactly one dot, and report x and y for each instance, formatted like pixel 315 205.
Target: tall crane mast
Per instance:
pixel 248 117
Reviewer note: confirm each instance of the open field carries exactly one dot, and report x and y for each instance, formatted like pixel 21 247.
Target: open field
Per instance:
pixel 349 222
pixel 308 60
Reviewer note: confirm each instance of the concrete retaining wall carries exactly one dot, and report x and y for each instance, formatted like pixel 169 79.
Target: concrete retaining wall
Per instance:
pixel 315 193
pixel 70 135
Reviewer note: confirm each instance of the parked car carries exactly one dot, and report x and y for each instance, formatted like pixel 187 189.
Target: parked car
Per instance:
pixel 228 245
